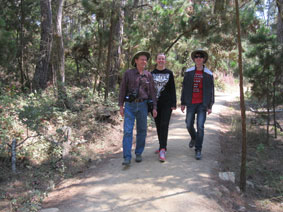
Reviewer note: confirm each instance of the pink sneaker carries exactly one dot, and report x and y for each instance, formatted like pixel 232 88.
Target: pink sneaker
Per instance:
pixel 162 155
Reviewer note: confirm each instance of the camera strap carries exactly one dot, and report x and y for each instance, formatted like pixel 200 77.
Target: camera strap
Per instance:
pixel 138 91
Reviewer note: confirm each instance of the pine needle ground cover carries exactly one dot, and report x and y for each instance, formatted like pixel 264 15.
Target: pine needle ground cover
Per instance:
pixel 264 190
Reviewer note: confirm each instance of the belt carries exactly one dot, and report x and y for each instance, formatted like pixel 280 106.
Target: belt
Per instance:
pixel 138 100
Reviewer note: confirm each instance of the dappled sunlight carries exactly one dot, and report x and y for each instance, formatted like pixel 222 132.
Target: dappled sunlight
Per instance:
pixel 140 181
pixel 204 175
pixel 180 182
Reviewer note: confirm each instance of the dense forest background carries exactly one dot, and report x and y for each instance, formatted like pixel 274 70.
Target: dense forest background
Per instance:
pixel 90 43
pixel 60 58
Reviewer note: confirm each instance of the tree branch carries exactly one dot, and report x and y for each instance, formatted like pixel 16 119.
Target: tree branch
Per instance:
pixel 172 44
pixel 33 136
pixel 280 10
pixel 143 5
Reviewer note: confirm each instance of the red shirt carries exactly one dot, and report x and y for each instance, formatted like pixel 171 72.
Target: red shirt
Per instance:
pixel 197 87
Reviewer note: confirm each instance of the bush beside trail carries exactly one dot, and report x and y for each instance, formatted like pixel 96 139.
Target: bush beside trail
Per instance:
pixel 53 143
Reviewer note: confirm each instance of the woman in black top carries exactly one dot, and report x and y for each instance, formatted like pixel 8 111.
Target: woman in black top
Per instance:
pixel 166 101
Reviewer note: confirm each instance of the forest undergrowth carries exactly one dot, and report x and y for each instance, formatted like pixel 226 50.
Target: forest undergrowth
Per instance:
pixel 56 143
pixel 53 143
pixel 264 173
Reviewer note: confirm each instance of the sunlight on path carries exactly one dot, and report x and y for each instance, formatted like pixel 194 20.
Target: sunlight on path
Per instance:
pixel 179 184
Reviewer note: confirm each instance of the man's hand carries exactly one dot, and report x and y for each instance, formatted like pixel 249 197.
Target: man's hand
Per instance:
pixel 122 111
pixel 183 108
pixel 209 111
pixel 154 113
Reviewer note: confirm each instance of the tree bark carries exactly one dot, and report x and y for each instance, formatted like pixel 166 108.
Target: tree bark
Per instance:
pixel 268 107
pixel 280 21
pixel 100 47
pixel 58 48
pixel 109 56
pixel 40 77
pixel 280 8
pixel 58 59
pixel 78 70
pixel 242 103
pixel 273 107
pixel 21 59
pixel 24 76
pixel 117 51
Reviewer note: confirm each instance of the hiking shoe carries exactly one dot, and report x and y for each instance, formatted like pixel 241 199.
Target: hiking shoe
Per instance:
pixel 192 143
pixel 138 158
pixel 162 155
pixel 126 162
pixel 198 155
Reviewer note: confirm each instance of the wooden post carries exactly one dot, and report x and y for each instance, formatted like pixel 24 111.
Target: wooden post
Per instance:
pixel 14 155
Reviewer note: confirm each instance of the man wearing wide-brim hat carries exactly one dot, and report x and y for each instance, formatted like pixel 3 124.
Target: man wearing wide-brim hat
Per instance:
pixel 201 52
pixel 197 97
pixel 136 56
pixel 136 89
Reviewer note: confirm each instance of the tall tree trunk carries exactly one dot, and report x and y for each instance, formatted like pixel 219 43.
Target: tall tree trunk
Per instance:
pixel 58 48
pixel 78 70
pixel 280 8
pixel 21 59
pixel 273 107
pixel 268 12
pixel 242 102
pixel 100 47
pixel 40 77
pixel 119 30
pixel 58 59
pixel 280 21
pixel 25 79
pixel 268 107
pixel 109 56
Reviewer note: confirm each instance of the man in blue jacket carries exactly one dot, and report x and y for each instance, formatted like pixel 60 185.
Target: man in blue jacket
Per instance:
pixel 198 97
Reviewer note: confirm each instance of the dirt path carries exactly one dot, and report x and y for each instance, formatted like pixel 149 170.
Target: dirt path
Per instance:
pixel 180 184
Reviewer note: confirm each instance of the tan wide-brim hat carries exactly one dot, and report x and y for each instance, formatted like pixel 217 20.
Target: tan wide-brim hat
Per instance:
pixel 136 56
pixel 202 52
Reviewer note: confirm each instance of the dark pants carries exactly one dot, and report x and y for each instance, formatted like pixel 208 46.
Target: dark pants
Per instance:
pixel 200 110
pixel 162 124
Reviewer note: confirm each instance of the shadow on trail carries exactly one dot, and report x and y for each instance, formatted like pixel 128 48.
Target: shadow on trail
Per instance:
pixel 264 159
pixel 180 184
pixel 140 178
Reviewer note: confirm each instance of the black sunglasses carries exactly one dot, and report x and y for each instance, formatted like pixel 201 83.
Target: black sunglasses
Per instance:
pixel 199 56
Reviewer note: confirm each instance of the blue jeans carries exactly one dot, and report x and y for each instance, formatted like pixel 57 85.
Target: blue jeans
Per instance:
pixel 200 110
pixel 134 111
